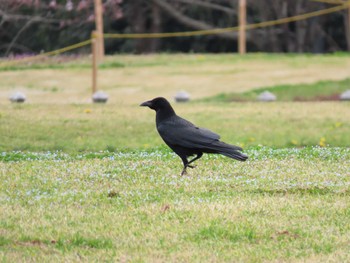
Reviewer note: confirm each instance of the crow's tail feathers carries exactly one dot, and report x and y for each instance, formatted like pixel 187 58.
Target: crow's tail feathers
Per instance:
pixel 230 151
pixel 235 155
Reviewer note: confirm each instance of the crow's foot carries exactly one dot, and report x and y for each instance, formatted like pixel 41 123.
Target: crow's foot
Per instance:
pixel 184 170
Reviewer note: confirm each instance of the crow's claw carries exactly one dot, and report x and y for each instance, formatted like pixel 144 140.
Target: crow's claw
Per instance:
pixel 184 170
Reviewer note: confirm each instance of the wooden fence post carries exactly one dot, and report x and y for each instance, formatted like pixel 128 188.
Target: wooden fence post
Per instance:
pixel 94 64
pixel 99 29
pixel 242 26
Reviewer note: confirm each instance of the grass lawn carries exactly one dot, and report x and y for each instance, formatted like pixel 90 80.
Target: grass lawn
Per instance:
pixel 319 91
pixel 87 182
pixel 281 205
pixel 79 128
pixel 131 79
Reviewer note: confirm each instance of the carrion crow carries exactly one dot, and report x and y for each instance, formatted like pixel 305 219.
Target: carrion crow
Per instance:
pixel 186 139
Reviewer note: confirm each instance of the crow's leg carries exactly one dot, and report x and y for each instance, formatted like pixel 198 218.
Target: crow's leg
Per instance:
pixel 184 160
pixel 187 163
pixel 199 155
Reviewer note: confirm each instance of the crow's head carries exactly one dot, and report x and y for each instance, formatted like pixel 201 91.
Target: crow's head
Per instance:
pixel 157 104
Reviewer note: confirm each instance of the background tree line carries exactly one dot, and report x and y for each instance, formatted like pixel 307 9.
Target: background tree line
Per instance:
pixel 32 26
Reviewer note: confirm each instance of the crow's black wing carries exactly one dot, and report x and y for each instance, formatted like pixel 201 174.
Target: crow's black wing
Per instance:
pixel 180 132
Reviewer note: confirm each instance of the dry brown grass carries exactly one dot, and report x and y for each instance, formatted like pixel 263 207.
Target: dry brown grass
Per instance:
pixel 163 75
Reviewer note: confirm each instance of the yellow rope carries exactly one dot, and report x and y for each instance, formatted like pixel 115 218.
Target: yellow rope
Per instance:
pixel 65 49
pixel 230 29
pixel 46 54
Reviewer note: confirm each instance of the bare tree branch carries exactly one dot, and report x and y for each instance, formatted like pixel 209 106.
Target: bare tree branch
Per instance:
pixel 209 5
pixel 29 22
pixel 190 22
pixel 14 17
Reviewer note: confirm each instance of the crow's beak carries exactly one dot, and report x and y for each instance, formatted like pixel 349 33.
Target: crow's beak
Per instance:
pixel 146 103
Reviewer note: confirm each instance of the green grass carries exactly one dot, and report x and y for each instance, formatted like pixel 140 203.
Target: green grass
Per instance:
pixel 165 59
pixel 81 128
pixel 134 206
pixel 322 90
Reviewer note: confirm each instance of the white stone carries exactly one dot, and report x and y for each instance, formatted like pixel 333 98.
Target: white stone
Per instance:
pixel 18 97
pixel 345 95
pixel 100 97
pixel 182 96
pixel 267 96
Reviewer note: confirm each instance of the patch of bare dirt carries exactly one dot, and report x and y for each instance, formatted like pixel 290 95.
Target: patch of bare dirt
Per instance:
pixel 332 97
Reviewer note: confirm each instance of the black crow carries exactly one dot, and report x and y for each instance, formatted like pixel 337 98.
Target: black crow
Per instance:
pixel 186 139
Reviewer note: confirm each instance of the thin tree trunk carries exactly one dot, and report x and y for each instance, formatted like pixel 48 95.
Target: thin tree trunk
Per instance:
pixel 301 27
pixel 138 26
pixel 156 28
pixel 346 16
